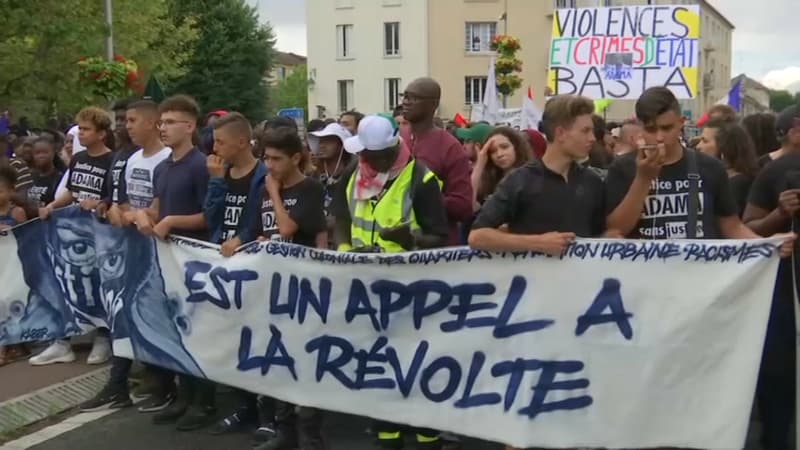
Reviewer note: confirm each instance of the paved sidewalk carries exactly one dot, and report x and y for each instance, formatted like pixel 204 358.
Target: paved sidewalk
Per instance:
pixel 27 378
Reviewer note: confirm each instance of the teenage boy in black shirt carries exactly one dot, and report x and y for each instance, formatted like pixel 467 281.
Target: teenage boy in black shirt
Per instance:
pixel 547 203
pixel 87 185
pixel 648 190
pixel 292 211
pixel 236 187
pixel 235 191
pixel 773 208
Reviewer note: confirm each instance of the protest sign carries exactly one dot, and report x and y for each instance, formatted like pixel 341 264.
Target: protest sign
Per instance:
pixel 619 52
pixel 617 344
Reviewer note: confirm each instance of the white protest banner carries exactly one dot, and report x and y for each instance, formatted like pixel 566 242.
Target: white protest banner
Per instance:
pixel 618 344
pixel 619 52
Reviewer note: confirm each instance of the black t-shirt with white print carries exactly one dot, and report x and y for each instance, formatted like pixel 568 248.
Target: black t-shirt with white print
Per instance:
pixel 235 202
pixel 88 176
pixel 43 191
pixel 305 203
pixel 665 211
pixel 118 164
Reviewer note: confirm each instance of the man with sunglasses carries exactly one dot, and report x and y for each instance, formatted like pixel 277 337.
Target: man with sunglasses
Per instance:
pixel 439 150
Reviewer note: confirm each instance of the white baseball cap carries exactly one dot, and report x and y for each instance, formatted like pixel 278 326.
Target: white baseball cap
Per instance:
pixel 333 129
pixel 375 133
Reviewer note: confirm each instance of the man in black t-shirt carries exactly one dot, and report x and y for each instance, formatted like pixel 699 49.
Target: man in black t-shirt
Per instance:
pixel 86 186
pixel 773 207
pixel 236 186
pixel 293 209
pixel 547 203
pixel 648 190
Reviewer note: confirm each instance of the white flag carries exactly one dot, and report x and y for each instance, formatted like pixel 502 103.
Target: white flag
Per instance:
pixel 531 114
pixel 490 104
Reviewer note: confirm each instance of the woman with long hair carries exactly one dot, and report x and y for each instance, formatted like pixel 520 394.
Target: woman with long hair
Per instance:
pixel 504 150
pixel 731 143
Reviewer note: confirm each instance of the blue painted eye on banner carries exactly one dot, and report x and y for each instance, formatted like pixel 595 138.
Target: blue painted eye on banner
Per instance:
pixel 82 274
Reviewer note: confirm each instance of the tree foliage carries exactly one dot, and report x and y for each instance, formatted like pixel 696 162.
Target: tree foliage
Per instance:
pixel 43 41
pixel 231 59
pixel 292 91
pixel 780 100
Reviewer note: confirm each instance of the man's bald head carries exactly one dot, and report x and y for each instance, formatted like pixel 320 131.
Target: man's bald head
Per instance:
pixel 426 87
pixel 421 100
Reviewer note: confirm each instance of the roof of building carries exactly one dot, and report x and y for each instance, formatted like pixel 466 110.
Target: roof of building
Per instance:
pixel 708 5
pixel 289 59
pixel 749 82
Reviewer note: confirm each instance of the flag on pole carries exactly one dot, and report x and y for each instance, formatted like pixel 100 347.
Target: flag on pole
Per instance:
pixel 531 114
pixel 489 109
pixel 733 99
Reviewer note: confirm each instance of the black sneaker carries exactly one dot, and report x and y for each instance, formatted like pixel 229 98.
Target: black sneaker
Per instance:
pixel 108 398
pixel 235 422
pixel 156 403
pixel 281 441
pixel 197 417
pixel 171 413
pixel 264 433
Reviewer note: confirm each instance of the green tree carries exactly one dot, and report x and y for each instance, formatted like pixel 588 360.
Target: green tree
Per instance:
pixel 780 100
pixel 231 59
pixel 43 41
pixel 292 91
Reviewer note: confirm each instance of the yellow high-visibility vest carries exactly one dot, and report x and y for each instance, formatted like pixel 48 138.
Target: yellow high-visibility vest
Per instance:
pixel 392 209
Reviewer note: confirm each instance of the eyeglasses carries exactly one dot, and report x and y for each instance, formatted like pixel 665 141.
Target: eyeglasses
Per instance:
pixel 170 123
pixel 414 98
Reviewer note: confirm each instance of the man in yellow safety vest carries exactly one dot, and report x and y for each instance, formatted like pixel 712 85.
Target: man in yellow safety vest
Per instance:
pixel 388 202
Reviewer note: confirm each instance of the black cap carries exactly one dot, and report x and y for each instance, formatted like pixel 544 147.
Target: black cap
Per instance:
pixel 787 119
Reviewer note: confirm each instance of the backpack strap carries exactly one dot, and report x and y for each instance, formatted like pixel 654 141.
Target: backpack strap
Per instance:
pixel 693 201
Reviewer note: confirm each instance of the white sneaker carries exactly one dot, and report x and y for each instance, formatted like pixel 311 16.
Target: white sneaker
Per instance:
pixel 57 352
pixel 101 351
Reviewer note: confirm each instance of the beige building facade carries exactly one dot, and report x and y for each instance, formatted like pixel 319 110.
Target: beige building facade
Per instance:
pixel 362 53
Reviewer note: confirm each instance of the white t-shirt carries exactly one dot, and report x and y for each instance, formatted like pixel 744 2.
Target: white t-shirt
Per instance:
pixel 139 174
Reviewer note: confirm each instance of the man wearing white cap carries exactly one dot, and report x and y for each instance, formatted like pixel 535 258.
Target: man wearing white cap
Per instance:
pixel 327 145
pixel 389 203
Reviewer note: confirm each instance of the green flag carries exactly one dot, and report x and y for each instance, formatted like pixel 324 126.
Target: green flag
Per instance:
pixel 153 91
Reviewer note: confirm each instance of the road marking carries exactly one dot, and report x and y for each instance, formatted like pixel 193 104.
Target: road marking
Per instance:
pixel 55 430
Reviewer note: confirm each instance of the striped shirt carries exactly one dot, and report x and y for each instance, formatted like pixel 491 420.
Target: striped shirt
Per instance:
pixel 24 177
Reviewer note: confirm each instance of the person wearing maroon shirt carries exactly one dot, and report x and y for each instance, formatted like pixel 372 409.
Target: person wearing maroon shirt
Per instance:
pixel 439 151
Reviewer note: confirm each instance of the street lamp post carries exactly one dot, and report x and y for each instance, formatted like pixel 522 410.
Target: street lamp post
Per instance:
pixel 110 36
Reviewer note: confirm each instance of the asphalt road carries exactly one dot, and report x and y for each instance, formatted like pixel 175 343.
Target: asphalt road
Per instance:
pixel 130 430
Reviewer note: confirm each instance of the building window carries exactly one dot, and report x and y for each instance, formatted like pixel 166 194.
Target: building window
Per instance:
pixel 473 90
pixel 344 45
pixel 345 95
pixel 563 4
pixel 391 89
pixel 391 39
pixel 479 36
pixel 281 73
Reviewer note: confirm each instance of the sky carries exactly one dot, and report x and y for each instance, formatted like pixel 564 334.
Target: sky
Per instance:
pixel 764 42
